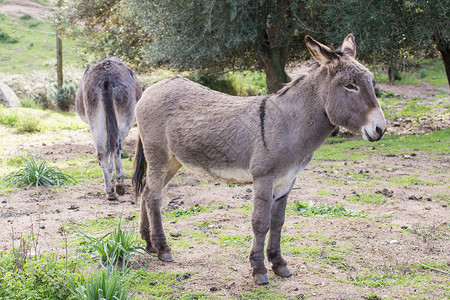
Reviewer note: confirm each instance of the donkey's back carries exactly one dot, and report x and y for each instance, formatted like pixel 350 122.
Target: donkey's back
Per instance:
pixel 106 99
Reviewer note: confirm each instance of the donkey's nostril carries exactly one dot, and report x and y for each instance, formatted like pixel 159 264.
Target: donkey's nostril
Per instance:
pixel 378 130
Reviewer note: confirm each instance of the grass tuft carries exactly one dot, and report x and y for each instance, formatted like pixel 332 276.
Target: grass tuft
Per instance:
pixel 36 173
pixel 105 284
pixel 117 246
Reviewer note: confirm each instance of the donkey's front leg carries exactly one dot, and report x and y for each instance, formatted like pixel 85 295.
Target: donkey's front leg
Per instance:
pixel 279 265
pixel 262 201
pixel 152 196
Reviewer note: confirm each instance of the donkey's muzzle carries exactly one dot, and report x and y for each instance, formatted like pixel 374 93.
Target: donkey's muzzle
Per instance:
pixel 376 126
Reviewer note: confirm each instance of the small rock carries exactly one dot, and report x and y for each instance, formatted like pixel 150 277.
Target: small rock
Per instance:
pixel 444 205
pixel 4 201
pixel 427 208
pixel 42 227
pixel 413 154
pixel 74 207
pixel 391 155
pixel 214 289
pixel 175 234
pixel 132 202
pixel 248 190
pixel 393 242
pixel 404 227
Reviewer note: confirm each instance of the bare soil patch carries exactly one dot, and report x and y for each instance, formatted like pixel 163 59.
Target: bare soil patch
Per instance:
pixel 411 226
pixel 17 8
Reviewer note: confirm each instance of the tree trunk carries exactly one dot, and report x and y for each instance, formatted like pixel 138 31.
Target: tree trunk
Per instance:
pixel 445 52
pixel 274 61
pixel 59 63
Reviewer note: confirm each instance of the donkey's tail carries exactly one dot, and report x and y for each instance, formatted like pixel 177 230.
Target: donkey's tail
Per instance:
pixel 140 169
pixel 112 131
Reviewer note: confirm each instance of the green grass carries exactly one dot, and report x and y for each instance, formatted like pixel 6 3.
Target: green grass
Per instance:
pixel 35 47
pixel 323 210
pixel 428 70
pixel 40 277
pixel 161 285
pixel 368 198
pixel 340 149
pixel 42 120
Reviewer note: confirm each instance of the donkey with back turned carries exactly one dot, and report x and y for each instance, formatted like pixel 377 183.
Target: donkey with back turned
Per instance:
pixel 265 141
pixel 106 99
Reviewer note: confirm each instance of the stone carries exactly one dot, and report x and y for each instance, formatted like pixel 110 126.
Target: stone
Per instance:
pixel 7 96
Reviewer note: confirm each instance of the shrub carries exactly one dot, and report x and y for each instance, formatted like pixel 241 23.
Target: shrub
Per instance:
pixel 65 95
pixel 6 38
pixel 37 173
pixel 40 277
pixel 28 125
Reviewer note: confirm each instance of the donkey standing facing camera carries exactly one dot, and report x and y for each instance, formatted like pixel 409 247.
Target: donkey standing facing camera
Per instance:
pixel 265 141
pixel 106 98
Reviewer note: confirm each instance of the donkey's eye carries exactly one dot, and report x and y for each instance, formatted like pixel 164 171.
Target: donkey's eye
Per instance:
pixel 351 87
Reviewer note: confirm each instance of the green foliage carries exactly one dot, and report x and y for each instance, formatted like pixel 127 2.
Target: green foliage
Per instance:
pixel 33 48
pixel 180 213
pixel 233 83
pixel 29 102
pixel 6 38
pixel 117 246
pixel 41 277
pixel 368 198
pixel 37 173
pixel 322 209
pixel 237 241
pixel 103 285
pixel 156 285
pixel 65 95
pixel 37 120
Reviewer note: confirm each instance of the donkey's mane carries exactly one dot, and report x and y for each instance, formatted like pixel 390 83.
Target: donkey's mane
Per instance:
pixel 311 67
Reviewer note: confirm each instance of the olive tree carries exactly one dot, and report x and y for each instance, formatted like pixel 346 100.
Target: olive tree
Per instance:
pixel 225 34
pixel 391 31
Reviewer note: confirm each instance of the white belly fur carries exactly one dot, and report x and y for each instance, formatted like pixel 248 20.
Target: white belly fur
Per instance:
pixel 232 175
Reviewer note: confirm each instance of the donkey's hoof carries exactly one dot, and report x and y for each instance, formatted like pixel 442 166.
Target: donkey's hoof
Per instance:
pixel 111 196
pixel 261 278
pixel 120 189
pixel 151 249
pixel 282 271
pixel 165 257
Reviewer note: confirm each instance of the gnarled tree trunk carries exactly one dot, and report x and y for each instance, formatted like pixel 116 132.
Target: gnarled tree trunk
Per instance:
pixel 445 52
pixel 274 61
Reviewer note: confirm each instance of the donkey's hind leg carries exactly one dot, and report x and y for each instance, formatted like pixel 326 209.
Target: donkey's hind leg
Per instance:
pixel 150 221
pixel 120 175
pixel 106 163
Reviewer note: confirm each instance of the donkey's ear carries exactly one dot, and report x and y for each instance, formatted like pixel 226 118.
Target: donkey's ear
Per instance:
pixel 320 52
pixel 349 45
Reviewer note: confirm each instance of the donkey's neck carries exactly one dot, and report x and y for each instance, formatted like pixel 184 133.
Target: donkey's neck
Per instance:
pixel 301 109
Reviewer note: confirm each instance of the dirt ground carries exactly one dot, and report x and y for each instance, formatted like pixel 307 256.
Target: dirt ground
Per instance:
pixel 376 243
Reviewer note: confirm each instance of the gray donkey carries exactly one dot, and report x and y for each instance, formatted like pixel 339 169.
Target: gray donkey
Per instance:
pixel 106 98
pixel 265 141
